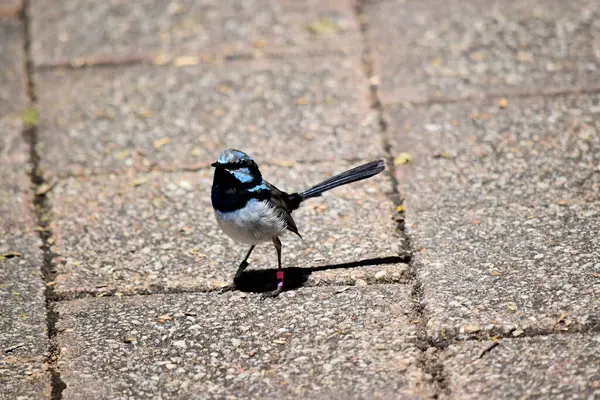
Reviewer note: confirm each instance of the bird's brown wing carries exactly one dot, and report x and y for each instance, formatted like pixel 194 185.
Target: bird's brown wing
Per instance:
pixel 280 200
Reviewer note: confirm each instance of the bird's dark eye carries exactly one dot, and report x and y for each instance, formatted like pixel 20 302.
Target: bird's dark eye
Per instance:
pixel 229 166
pixel 236 165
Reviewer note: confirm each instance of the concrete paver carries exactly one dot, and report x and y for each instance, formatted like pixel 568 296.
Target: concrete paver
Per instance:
pixel 68 30
pixel 503 213
pixel 502 199
pixel 167 117
pixel 13 96
pixel 23 340
pixel 10 8
pixel 22 296
pixel 312 343
pixel 555 366
pixel 23 379
pixel 437 48
pixel 130 233
pixel 16 196
pixel 23 337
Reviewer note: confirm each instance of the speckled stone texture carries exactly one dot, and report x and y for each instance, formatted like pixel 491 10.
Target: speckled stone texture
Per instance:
pixel 503 209
pixel 167 117
pixel 453 49
pixel 23 340
pixel 16 196
pixel 13 97
pixel 16 209
pixel 23 379
pixel 113 235
pixel 312 343
pixel 70 30
pixel 10 8
pixel 22 296
pixel 555 366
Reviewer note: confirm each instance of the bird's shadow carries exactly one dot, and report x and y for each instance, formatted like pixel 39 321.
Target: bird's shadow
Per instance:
pixel 264 280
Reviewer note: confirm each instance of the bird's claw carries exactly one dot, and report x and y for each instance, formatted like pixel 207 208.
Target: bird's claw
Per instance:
pixel 227 288
pixel 271 294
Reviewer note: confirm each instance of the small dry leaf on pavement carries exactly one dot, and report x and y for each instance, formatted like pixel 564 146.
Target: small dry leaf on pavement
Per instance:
pixel 139 182
pixel 184 61
pixel 402 158
pixel 161 142
pixel 323 26
pixel 10 254
pixel 444 155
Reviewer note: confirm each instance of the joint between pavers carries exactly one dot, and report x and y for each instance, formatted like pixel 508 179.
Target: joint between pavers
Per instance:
pixel 159 289
pixel 430 348
pixel 429 360
pixel 377 107
pixel 42 210
pixel 67 297
pixel 487 96
pixel 519 333
pixel 191 168
pixel 183 60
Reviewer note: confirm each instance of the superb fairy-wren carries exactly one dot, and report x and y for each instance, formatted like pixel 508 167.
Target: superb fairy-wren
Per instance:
pixel 251 210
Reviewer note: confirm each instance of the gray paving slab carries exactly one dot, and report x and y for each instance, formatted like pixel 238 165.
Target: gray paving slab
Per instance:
pixel 503 213
pixel 436 48
pixel 73 30
pixel 554 366
pixel 312 343
pixel 13 95
pixel 10 8
pixel 16 197
pixel 24 379
pixel 167 117
pixel 23 337
pixel 151 231
pixel 22 297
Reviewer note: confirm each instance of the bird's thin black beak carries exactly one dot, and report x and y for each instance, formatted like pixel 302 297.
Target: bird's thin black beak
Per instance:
pixel 214 164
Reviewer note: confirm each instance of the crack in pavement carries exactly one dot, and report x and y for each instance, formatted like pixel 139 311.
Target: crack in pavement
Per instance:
pixel 42 211
pixel 429 361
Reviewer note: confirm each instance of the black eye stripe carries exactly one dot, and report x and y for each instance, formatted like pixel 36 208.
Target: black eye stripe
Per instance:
pixel 236 165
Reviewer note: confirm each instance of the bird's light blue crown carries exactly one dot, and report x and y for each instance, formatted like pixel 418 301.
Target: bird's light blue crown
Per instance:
pixel 232 155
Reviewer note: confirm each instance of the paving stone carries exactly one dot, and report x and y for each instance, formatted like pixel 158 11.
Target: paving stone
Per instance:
pixel 73 30
pixel 146 116
pixel 312 343
pixel 436 48
pixel 22 296
pixel 23 340
pixel 114 235
pixel 23 379
pixel 554 366
pixel 503 213
pixel 13 95
pixel 10 8
pixel 16 197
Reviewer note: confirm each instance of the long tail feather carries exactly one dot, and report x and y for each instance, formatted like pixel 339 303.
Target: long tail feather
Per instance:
pixel 355 174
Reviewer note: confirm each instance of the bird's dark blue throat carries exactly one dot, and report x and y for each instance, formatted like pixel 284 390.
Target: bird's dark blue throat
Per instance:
pixel 235 184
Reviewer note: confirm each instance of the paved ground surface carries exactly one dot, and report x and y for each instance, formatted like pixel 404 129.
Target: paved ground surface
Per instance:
pixel 470 270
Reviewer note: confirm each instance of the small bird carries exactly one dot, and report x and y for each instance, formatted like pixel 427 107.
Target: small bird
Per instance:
pixel 252 211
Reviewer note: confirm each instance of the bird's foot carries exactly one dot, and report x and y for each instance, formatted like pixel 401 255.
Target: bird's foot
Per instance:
pixel 277 291
pixel 272 294
pixel 227 288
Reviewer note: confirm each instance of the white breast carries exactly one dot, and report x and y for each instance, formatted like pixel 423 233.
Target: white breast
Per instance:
pixel 257 222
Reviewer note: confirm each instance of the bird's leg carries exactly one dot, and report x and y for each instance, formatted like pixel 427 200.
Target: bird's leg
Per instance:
pixel 279 289
pixel 238 274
